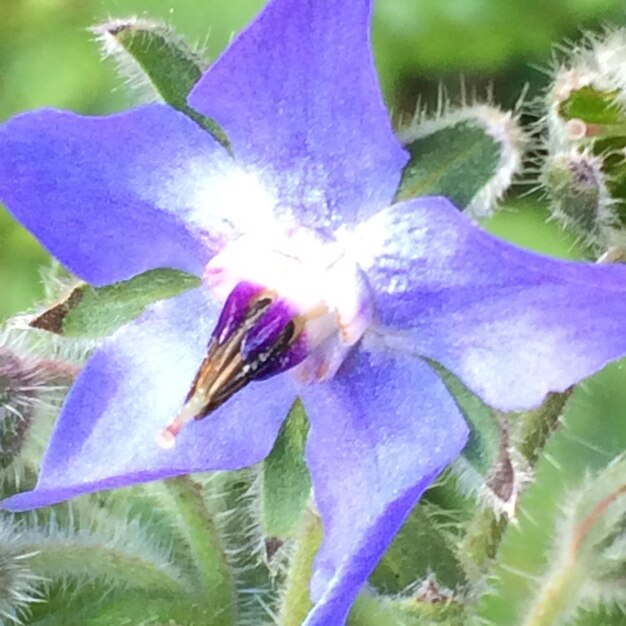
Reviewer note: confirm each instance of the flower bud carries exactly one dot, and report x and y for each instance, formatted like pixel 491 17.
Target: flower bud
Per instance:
pixel 580 199
pixel 585 168
pixel 18 397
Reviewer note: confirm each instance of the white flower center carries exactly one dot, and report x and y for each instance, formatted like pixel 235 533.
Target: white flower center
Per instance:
pixel 316 277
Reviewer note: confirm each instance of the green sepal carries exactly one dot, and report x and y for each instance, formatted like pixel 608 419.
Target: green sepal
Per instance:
pixel 536 561
pixel 374 610
pixel 165 59
pixel 483 447
pixel 585 170
pixel 93 606
pixel 469 155
pixel 285 480
pixel 603 616
pixel 97 311
pixel 613 152
pixel 423 546
pixel 593 106
pixel 533 428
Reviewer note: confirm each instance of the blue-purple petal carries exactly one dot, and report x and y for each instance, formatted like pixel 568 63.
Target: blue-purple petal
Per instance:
pixel 298 96
pixel 512 324
pixel 114 196
pixel 381 431
pixel 106 435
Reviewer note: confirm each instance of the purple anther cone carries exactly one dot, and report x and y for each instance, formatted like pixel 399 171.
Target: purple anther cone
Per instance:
pixel 298 97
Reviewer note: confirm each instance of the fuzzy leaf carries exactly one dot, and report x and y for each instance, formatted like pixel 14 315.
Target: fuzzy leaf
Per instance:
pixel 372 610
pixel 550 557
pixel 165 59
pixel 212 524
pixel 422 547
pixel 98 311
pixel 89 606
pixel 95 546
pixel 606 616
pixel 286 484
pixel 482 450
pixel 206 548
pixel 469 155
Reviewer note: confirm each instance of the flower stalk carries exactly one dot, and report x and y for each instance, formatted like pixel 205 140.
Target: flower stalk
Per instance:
pixel 206 549
pixel 296 601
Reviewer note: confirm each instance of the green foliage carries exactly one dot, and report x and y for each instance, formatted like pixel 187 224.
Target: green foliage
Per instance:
pixel 585 168
pixel 162 57
pixel 421 549
pixel 238 548
pixel 469 155
pixel 91 608
pixel 285 480
pixel 551 556
pixel 428 608
pixel 481 452
pixel 154 52
pixel 97 311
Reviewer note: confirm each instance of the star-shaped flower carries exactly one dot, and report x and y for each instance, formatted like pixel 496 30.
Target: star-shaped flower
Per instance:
pixel 328 291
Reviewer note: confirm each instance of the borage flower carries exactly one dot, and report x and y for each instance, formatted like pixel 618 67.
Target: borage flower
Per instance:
pixel 318 277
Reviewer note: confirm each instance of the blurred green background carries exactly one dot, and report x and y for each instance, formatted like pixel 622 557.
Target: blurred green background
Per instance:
pixel 47 58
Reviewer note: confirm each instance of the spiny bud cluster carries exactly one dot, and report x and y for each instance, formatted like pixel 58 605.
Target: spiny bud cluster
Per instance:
pixel 585 167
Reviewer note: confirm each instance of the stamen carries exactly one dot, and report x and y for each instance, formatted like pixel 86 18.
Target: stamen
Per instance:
pixel 254 338
pixel 167 437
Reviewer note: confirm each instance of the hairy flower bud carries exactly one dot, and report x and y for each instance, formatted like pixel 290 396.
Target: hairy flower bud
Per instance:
pixel 585 170
pixel 580 199
pixel 27 383
pixel 18 396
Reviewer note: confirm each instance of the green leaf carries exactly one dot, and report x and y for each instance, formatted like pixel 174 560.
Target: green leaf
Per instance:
pixel 373 610
pixel 482 450
pixel 423 546
pixel 604 616
pixel 96 606
pixel 533 428
pixel 469 155
pixel 593 106
pixel 211 522
pixel 98 311
pixel 93 545
pixel 550 557
pixel 286 484
pixel 164 58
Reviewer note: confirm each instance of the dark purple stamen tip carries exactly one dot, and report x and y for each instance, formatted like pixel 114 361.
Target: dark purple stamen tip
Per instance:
pixel 257 336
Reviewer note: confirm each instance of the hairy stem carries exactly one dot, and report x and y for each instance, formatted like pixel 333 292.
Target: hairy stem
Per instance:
pixel 296 601
pixel 206 548
pixel 58 558
pixel 555 600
